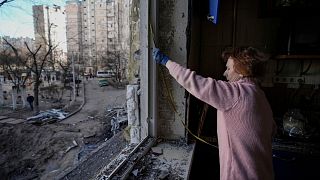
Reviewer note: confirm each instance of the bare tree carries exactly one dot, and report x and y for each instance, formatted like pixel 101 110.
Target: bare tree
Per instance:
pixel 2 2
pixel 35 62
pixel 16 71
pixel 114 61
pixel 13 67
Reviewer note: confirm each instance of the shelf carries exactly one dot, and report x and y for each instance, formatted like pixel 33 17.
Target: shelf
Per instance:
pixel 297 57
pixel 303 58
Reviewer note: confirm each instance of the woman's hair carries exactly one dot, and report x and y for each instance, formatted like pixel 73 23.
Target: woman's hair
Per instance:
pixel 248 61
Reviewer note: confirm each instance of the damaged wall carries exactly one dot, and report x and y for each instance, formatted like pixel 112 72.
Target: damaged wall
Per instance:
pixel 173 21
pixel 134 56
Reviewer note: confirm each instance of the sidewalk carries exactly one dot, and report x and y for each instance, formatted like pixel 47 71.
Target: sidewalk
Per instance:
pixel 45 104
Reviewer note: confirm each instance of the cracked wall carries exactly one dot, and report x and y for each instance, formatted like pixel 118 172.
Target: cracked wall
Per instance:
pixel 173 21
pixel 134 56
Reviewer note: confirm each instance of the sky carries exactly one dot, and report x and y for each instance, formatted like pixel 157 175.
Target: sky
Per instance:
pixel 16 17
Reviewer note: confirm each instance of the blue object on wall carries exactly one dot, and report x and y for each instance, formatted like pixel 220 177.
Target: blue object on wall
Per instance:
pixel 213 11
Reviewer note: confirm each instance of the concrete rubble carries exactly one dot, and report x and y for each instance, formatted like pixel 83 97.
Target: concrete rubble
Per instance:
pixel 165 160
pixel 47 116
pixel 152 159
pixel 117 116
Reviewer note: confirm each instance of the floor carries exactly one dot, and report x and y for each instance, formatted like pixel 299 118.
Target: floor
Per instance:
pixel 205 164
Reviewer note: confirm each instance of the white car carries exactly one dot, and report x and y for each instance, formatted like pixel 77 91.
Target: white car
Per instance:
pixel 105 74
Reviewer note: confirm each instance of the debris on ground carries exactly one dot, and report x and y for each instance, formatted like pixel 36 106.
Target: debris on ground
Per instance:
pixel 47 116
pixel 29 151
pixel 165 159
pixel 74 144
pixel 118 117
pixel 169 159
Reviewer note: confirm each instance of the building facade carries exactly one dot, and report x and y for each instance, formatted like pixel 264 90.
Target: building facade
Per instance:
pixel 50 30
pixel 104 36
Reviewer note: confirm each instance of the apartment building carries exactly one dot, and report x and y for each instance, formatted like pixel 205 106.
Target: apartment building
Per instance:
pixel 98 31
pixel 50 30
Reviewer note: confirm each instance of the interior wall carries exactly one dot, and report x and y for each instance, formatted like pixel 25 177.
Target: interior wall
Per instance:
pixel 173 21
pixel 250 27
pixel 239 24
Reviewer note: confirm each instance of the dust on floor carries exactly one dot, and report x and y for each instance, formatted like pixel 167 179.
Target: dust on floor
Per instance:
pixel 166 160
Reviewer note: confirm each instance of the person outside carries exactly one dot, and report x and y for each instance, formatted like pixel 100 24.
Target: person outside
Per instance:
pixel 245 124
pixel 30 100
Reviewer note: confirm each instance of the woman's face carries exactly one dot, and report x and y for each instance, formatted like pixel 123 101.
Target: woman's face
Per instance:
pixel 230 72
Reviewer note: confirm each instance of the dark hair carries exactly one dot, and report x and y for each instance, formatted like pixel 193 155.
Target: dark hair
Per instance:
pixel 248 61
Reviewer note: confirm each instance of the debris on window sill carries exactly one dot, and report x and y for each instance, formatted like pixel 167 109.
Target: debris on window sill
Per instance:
pixel 154 159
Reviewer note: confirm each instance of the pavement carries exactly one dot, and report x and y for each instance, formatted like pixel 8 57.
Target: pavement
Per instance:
pixel 96 100
pixel 93 105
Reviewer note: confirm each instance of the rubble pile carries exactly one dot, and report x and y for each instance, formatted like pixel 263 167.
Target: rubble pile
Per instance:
pixel 166 160
pixel 117 116
pixel 48 116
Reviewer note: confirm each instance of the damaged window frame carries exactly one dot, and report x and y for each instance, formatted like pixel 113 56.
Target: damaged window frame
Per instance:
pixel 145 91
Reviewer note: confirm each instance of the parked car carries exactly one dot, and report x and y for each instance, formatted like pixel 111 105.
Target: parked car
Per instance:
pixel 103 82
pixel 105 74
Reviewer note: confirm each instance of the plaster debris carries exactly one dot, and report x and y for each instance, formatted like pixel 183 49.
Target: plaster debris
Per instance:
pixel 173 163
pixel 47 116
pixel 135 172
pixel 118 117
pixel 133 113
pixel 157 150
pixel 74 144
pixel 163 174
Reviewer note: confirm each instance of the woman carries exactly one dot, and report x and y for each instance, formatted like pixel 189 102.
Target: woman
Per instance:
pixel 245 122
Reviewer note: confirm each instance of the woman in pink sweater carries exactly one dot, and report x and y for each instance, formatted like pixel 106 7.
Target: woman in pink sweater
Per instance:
pixel 245 124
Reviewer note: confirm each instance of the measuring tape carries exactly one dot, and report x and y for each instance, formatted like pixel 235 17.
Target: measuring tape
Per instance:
pixel 171 99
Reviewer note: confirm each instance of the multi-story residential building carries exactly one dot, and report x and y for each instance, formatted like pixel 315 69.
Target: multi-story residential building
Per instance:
pixel 74 29
pixel 103 33
pixel 50 30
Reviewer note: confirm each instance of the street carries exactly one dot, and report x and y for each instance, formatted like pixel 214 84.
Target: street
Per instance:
pixel 97 99
pixel 52 149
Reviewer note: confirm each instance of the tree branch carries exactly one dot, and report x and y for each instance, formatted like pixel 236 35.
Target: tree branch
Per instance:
pixel 4 2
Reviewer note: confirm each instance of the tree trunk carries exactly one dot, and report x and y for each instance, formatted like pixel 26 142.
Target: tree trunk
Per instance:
pixel 1 95
pixel 14 97
pixel 24 96
pixel 36 96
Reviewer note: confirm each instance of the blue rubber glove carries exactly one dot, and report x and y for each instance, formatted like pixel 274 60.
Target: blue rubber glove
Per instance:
pixel 159 57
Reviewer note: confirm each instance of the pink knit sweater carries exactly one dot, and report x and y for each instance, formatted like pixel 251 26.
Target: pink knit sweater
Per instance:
pixel 245 123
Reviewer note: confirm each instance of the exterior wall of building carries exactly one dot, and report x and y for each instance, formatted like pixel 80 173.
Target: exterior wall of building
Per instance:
pixel 50 30
pixel 133 64
pixel 101 37
pixel 173 23
pixel 73 21
pixel 40 25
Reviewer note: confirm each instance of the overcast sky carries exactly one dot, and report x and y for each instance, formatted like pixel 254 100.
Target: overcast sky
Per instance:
pixel 16 17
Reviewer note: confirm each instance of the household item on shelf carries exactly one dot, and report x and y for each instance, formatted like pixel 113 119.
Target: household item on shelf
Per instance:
pixel 294 123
